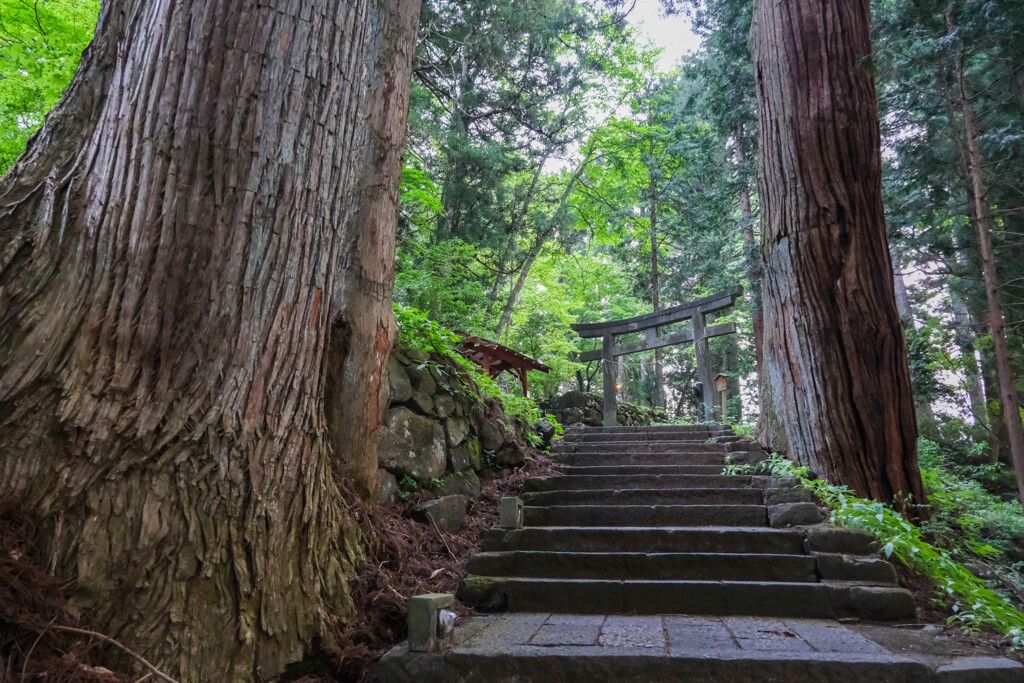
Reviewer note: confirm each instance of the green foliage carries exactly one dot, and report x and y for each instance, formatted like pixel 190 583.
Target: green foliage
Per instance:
pixel 40 45
pixel 974 604
pixel 416 331
pixel 966 517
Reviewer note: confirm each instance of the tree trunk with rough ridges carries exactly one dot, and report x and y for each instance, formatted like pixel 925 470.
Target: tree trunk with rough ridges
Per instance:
pixel 195 247
pixel 841 380
pixel 982 222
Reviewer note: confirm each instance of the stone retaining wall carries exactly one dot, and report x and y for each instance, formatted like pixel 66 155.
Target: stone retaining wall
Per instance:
pixel 438 432
pixel 577 408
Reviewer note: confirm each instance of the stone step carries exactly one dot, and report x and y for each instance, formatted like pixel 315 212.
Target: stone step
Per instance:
pixel 660 566
pixel 640 447
pixel 779 599
pixel 646 515
pixel 584 482
pixel 640 496
pixel 641 458
pixel 653 429
pixel 648 539
pixel 680 437
pixel 582 470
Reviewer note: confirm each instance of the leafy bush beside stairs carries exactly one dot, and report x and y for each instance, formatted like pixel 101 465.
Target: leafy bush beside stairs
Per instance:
pixel 974 604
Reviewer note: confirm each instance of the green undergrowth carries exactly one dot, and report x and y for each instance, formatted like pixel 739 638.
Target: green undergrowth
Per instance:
pixel 417 332
pixel 974 604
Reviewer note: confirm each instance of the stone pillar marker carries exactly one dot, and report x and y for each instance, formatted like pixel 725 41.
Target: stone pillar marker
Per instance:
pixel 608 379
pixel 429 624
pixel 510 514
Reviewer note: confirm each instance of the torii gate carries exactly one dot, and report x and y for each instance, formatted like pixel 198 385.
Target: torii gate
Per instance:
pixel 651 322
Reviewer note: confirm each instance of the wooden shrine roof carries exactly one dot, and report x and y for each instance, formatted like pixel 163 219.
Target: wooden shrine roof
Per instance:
pixel 501 357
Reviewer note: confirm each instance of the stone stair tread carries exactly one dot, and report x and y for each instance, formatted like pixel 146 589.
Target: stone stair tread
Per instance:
pixel 612 481
pixel 738 539
pixel 541 647
pixel 571 459
pixel 645 565
pixel 656 515
pixel 621 470
pixel 646 496
pixel 656 596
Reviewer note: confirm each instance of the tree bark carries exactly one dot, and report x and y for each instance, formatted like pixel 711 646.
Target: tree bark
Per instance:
pixel 965 336
pixel 659 372
pixel 841 380
pixel 900 288
pixel 754 274
pixel 195 257
pixel 1004 366
pixel 538 246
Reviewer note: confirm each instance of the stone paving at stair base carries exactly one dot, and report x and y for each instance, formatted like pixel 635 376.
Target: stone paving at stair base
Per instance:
pixel 664 633
pixel 565 647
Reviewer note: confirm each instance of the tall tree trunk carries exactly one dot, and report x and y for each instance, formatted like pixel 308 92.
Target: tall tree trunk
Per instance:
pixel 538 246
pixel 517 288
pixel 841 380
pixel 196 256
pixel 900 288
pixel 750 246
pixel 925 411
pixel 659 373
pixel 965 336
pixel 1004 366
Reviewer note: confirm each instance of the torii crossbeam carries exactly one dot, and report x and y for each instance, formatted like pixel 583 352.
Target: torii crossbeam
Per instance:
pixel 650 324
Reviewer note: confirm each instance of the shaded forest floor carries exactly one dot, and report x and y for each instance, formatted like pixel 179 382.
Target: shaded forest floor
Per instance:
pixel 407 557
pixel 35 640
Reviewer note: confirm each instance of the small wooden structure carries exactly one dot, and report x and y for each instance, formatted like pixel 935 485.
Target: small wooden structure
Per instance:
pixel 495 359
pixel 649 324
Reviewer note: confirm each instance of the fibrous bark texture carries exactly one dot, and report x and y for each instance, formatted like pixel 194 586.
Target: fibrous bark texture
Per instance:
pixel 195 246
pixel 838 363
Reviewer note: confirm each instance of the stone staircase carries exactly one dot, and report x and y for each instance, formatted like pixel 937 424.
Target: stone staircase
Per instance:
pixel 643 522
pixel 644 562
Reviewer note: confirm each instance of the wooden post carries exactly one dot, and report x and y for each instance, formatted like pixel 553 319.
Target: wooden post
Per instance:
pixel 608 375
pixel 522 380
pixel 700 348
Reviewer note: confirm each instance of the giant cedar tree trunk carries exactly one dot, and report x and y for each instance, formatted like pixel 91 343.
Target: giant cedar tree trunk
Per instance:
pixel 196 252
pixel 840 375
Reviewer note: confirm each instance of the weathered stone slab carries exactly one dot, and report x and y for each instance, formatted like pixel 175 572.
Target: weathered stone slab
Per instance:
pixel 387 486
pixel 793 514
pixel 829 636
pixel 765 634
pixel 838 567
pixel 465 483
pixel 646 632
pixel 399 386
pixel 828 539
pixel 569 629
pixel 874 603
pixel 686 634
pixel 448 513
pixel 412 445
pixel 444 405
pixel 457 429
pixel 794 494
